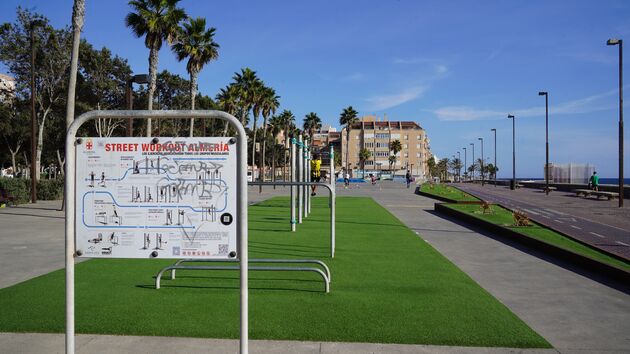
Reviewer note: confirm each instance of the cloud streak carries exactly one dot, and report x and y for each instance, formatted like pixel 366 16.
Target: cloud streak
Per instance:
pixel 579 106
pixel 381 102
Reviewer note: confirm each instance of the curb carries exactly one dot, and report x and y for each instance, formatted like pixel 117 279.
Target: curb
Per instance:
pixel 444 199
pixel 585 262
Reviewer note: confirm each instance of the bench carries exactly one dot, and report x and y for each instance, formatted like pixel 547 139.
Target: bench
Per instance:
pixel 599 194
pixel 6 198
pixel 609 195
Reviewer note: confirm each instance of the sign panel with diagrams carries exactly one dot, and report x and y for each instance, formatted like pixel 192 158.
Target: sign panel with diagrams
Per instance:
pixel 141 198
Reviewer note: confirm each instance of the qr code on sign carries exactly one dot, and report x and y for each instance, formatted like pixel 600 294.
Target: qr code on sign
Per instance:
pixel 223 249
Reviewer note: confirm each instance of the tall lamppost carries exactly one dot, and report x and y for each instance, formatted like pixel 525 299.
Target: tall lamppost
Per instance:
pixel 513 182
pixel 138 79
pixel 473 161
pixel 482 162
pixel 32 26
pixel 459 167
pixel 495 155
pixel 465 161
pixel 620 43
pixel 546 94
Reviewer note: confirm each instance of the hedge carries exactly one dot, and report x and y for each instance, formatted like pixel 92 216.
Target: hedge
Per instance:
pixel 47 189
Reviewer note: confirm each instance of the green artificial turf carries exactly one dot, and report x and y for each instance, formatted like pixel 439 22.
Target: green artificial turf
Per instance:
pixel 446 191
pixel 501 216
pixel 388 286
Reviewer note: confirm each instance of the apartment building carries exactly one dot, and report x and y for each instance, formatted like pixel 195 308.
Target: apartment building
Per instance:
pixel 376 134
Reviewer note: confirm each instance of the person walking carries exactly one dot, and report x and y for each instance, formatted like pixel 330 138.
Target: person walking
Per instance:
pixel 316 173
pixel 408 178
pixel 594 181
pixel 346 180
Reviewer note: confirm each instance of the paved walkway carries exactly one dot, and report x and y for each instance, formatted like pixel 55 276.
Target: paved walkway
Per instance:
pixel 573 312
pixel 600 223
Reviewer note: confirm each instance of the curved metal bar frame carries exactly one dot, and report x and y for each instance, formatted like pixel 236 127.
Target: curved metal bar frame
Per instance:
pixel 258 268
pixel 241 206
pixel 332 196
pixel 258 260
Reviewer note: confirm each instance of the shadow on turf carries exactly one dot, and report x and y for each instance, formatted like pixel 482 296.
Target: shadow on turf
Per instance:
pixel 33 215
pixel 538 254
pixel 284 245
pixel 236 286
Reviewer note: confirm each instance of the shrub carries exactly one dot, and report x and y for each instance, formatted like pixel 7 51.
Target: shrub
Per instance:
pixel 486 208
pixel 520 218
pixel 47 189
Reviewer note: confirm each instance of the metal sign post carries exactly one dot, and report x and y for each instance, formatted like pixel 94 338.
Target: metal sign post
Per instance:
pixel 300 176
pixel 293 179
pixel 102 209
pixel 307 178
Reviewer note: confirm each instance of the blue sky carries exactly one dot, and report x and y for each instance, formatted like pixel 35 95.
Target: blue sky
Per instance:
pixel 455 67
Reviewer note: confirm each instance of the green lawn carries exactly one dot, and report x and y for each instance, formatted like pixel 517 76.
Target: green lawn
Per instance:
pixel 446 191
pixel 389 286
pixel 503 217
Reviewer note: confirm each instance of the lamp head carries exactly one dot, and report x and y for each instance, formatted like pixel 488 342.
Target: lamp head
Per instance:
pixel 480 139
pixel 510 116
pixel 493 130
pixel 613 41
pixel 542 93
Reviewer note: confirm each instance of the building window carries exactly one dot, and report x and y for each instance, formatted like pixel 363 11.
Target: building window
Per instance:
pixel 406 155
pixel 405 146
pixel 406 137
pixel 417 146
pixel 417 154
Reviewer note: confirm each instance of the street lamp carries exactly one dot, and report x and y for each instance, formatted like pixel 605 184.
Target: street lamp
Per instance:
pixel 33 24
pixel 620 43
pixel 138 79
pixel 459 167
pixel 465 161
pixel 495 156
pixel 473 161
pixel 513 182
pixel 546 94
pixel 481 164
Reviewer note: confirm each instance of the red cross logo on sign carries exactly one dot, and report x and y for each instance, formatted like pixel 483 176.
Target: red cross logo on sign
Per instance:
pixel 88 144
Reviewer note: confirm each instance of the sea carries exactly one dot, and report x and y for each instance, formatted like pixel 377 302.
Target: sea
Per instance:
pixel 615 181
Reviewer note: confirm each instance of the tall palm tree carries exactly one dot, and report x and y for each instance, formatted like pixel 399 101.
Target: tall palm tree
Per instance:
pixel 276 125
pixel 196 43
pixel 395 147
pixel 348 118
pixel 312 123
pixel 253 94
pixel 157 21
pixel 288 124
pixel 228 100
pixel 364 155
pixel 269 104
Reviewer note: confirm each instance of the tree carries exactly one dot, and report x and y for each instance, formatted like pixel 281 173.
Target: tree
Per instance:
pixel 395 147
pixel 228 100
pixel 269 104
pixel 101 85
pixel 78 14
pixel 492 170
pixel 311 124
pixel 14 124
pixel 392 161
pixel 51 66
pixel 442 167
pixel 157 21
pixel 348 118
pixel 287 120
pixel 249 89
pixel 196 43
pixel 364 155
pixel 433 171
pixel 455 165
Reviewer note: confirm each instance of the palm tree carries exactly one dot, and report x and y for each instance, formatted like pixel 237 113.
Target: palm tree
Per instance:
pixel 348 118
pixel 312 123
pixel 395 147
pixel 276 124
pixel 228 100
pixel 196 43
pixel 364 155
pixel 157 20
pixel 392 161
pixel 269 103
pixel 288 124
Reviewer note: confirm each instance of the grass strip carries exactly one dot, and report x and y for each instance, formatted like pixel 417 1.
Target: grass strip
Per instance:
pixel 499 215
pixel 446 191
pixel 389 286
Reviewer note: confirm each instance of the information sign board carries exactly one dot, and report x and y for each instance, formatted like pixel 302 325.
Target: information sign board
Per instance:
pixel 166 198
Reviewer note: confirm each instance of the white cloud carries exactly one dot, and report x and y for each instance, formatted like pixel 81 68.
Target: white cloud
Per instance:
pixel 381 102
pixel 412 60
pixel 579 106
pixel 352 77
pixel 441 69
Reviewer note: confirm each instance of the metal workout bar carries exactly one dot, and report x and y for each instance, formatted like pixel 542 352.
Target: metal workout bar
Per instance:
pixel 325 274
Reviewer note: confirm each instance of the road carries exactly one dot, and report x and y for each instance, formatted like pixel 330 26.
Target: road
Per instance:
pixel 595 222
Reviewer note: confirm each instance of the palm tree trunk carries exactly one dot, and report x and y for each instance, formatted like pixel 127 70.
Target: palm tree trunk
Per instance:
pixel 254 148
pixel 193 95
pixel 153 63
pixel 264 145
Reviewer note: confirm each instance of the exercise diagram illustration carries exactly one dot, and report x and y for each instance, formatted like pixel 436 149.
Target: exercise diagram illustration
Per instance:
pixel 162 203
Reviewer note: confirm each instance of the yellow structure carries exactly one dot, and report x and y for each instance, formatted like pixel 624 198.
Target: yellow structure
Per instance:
pixel 376 135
